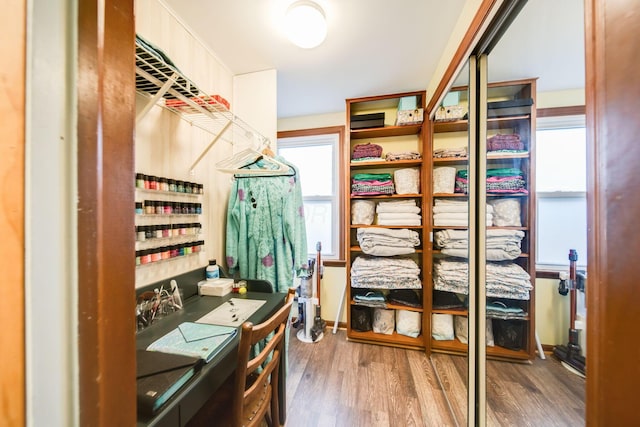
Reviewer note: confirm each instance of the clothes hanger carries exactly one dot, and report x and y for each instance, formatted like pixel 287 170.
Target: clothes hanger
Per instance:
pixel 239 163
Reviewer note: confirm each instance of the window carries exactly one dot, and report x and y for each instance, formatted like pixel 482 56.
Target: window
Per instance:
pixel 317 154
pixel 561 191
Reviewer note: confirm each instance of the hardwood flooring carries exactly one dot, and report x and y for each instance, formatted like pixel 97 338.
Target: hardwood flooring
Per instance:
pixel 335 382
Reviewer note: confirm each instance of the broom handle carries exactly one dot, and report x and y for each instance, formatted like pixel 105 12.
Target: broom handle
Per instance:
pixel 318 270
pixel 573 280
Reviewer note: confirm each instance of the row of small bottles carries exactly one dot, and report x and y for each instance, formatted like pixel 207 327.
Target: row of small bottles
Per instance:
pixel 147 256
pixel 163 207
pixel 146 232
pixel 160 183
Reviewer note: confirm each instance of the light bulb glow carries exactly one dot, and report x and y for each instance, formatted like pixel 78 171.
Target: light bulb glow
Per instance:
pixel 305 24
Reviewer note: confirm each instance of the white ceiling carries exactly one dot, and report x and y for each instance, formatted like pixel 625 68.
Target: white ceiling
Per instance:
pixel 380 46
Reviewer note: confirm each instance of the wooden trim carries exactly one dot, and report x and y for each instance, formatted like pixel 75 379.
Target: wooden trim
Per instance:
pixel 547 274
pixel 106 114
pixel 341 197
pixel 12 171
pixel 461 54
pixel 331 323
pixel 612 92
pixel 334 262
pixel 573 110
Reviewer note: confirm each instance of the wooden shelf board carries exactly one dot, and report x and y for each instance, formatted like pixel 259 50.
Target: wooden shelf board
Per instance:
pixel 394 339
pixel 488 195
pixel 385 131
pixel 458 312
pixel 507 156
pixel 390 196
pixel 462 227
pixel 492 123
pixel 385 164
pixel 449 195
pixel 461 312
pixel 359 249
pixel 391 306
pixel 465 160
pixel 450 160
pixel 439 252
pixel 385 226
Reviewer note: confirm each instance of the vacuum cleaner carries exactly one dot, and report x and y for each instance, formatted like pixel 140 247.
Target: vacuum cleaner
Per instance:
pixel 309 317
pixel 571 354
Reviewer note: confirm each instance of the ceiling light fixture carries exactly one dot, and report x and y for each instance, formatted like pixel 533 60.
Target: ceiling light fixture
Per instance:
pixel 305 24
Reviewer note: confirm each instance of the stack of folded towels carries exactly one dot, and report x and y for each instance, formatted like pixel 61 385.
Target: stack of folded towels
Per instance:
pixel 501 245
pixel 367 152
pixel 387 241
pixel 385 273
pixel 401 212
pixel 450 213
pixel 372 184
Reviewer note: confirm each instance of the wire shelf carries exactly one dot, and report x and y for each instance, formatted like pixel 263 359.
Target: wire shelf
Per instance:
pixel 162 83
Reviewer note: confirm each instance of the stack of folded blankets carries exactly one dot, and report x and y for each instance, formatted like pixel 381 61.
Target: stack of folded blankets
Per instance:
pixel 451 213
pixel 367 152
pixel 385 273
pixel 402 155
pixel 401 212
pixel 501 245
pixel 504 279
pixel 369 298
pixel 497 309
pixel 371 184
pixel 499 181
pixel 440 153
pixel 506 143
pixel 387 241
pixel 407 297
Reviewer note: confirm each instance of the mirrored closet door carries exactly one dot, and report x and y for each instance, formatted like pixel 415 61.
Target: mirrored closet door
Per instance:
pixel 532 59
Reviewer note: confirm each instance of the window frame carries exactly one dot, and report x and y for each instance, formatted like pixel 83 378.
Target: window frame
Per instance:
pixel 557 118
pixel 339 169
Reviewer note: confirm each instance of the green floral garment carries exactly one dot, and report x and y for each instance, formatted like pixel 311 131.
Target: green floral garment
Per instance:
pixel 266 233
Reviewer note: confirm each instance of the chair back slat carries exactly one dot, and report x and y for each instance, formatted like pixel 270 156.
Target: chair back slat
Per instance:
pixel 256 392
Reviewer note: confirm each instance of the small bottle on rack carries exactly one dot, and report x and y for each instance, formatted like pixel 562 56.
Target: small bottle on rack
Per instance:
pixel 212 271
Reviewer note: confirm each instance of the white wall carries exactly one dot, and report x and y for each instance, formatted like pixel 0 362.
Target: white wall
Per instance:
pixel 167 146
pixel 50 219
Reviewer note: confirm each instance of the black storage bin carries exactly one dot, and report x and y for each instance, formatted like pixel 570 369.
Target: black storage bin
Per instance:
pixel 509 333
pixel 365 121
pixel 361 318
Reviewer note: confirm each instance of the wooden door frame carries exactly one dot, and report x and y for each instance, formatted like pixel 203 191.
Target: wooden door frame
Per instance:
pixel 13 46
pixel 106 265
pixel 613 295
pixel 612 93
pixel 106 361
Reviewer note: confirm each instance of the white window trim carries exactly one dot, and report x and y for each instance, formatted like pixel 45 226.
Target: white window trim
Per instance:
pixel 320 140
pixel 551 123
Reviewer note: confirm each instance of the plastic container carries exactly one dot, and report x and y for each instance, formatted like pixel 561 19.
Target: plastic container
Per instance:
pixel 212 271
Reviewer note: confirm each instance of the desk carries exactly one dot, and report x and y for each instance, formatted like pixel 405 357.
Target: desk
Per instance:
pixel 191 397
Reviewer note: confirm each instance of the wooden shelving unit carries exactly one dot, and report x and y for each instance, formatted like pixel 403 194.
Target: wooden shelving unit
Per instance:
pixel 392 138
pixel 522 123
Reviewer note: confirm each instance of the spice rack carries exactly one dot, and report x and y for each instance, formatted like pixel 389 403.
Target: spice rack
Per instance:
pixel 167 225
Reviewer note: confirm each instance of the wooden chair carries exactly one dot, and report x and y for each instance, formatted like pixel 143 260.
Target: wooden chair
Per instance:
pixel 251 395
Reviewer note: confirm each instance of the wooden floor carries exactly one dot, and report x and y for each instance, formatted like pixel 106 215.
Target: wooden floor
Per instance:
pixel 335 382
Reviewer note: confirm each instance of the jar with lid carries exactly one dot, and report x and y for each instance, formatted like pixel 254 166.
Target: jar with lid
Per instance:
pixel 139 180
pixel 139 208
pixel 149 207
pixel 212 271
pixel 164 184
